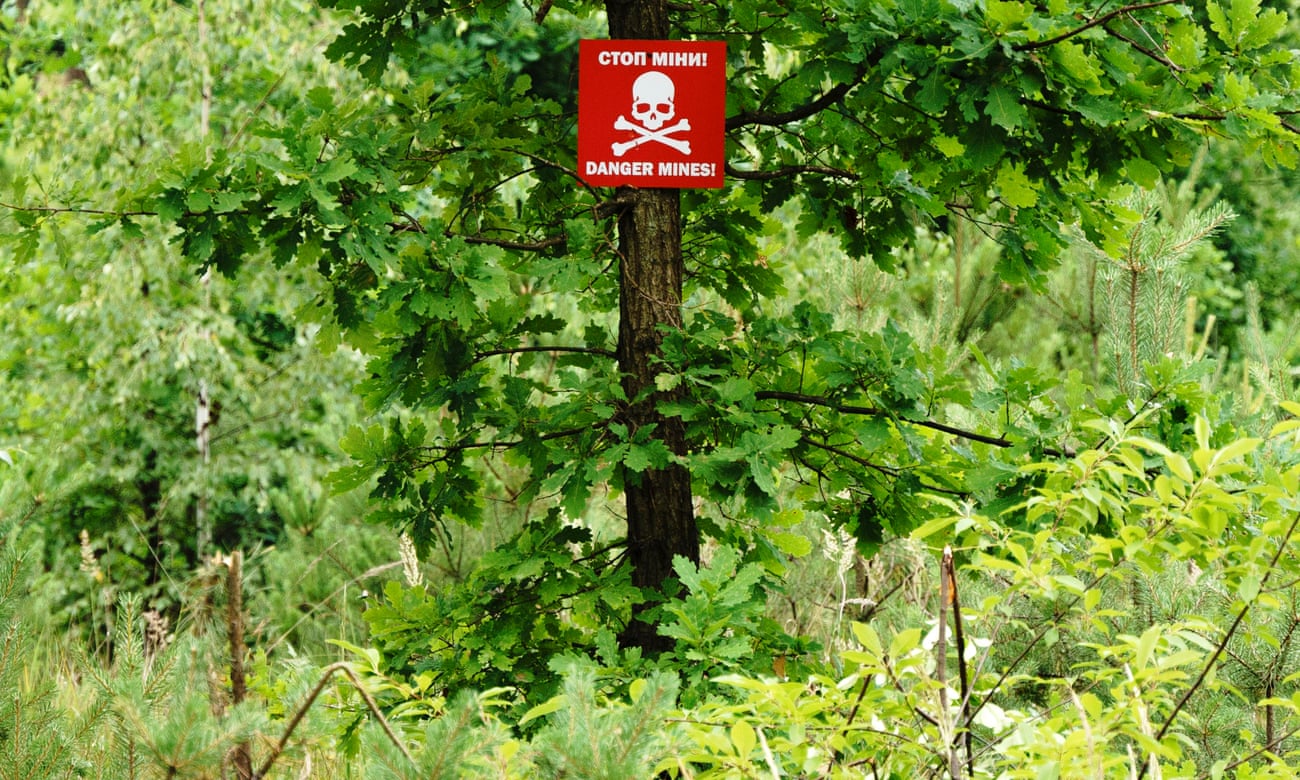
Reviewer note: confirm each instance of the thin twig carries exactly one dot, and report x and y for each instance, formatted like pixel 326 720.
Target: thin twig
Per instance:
pixel 370 573
pixel 1144 723
pixel 498 446
pixel 257 109
pixel 767 754
pixel 1147 50
pixel 1100 20
pixel 1246 759
pixel 959 636
pixel 301 712
pixel 858 459
pixel 554 350
pixel 1098 774
pixel 74 210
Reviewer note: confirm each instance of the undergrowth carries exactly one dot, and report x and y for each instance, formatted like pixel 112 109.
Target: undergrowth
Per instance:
pixel 1027 642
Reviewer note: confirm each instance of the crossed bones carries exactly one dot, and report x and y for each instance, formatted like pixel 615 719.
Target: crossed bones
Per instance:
pixel 644 135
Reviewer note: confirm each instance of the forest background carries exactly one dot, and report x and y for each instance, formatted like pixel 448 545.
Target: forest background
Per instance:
pixel 956 438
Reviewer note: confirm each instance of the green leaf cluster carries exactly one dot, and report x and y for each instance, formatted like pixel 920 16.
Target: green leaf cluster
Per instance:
pixel 719 625
pixel 545 593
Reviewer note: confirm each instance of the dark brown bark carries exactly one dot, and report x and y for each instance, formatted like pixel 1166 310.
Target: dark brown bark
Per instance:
pixel 660 516
pixel 644 19
pixel 241 756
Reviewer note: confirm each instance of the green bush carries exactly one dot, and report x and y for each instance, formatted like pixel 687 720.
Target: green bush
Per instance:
pixel 1134 615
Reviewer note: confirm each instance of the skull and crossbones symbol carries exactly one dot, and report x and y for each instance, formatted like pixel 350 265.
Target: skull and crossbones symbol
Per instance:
pixel 653 105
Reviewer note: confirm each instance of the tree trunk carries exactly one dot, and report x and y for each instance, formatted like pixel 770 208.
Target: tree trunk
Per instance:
pixel 660 516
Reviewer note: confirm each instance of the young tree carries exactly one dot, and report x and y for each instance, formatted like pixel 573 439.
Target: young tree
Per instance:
pixel 640 338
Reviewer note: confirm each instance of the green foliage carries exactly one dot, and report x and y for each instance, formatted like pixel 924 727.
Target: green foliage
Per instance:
pixel 461 743
pixel 1090 651
pixel 528 601
pixel 161 413
pixel 1256 244
pixel 509 633
pixel 158 701
pixel 585 734
pixel 428 214
pixel 34 739
pixel 719 624
pixel 584 738
pixel 1052 122
pixel 1165 643
pixel 1158 646
pixel 714 622
pixel 312 586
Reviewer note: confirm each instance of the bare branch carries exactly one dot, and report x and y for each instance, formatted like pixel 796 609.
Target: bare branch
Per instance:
pixel 858 459
pixel 257 109
pixel 775 119
pixel 548 163
pixel 816 400
pixel 871 411
pixel 1147 50
pixel 1100 20
pixel 505 243
pixel 74 210
pixel 497 446
pixel 612 206
pixel 789 170
pixel 605 353
pixel 412 225
pixel 346 669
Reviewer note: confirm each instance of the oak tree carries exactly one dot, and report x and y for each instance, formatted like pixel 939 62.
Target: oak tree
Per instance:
pixel 643 339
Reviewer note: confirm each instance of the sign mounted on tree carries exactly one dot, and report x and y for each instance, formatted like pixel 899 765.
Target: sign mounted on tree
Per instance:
pixel 651 113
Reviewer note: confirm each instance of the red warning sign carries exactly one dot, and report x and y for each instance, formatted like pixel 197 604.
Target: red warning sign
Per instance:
pixel 651 113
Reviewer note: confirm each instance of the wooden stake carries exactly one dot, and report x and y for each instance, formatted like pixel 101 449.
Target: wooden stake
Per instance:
pixel 242 757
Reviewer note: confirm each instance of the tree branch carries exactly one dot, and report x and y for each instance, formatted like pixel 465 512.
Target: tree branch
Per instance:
pixel 505 243
pixel 346 669
pixel 858 459
pixel 549 163
pixel 605 353
pixel 816 400
pixel 1100 20
pixel 606 208
pixel 1147 50
pixel 497 446
pixel 871 411
pixel 74 210
pixel 775 119
pixel 411 225
pixel 789 170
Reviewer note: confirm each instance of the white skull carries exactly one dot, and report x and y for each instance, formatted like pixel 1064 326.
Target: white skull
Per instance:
pixel 652 99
